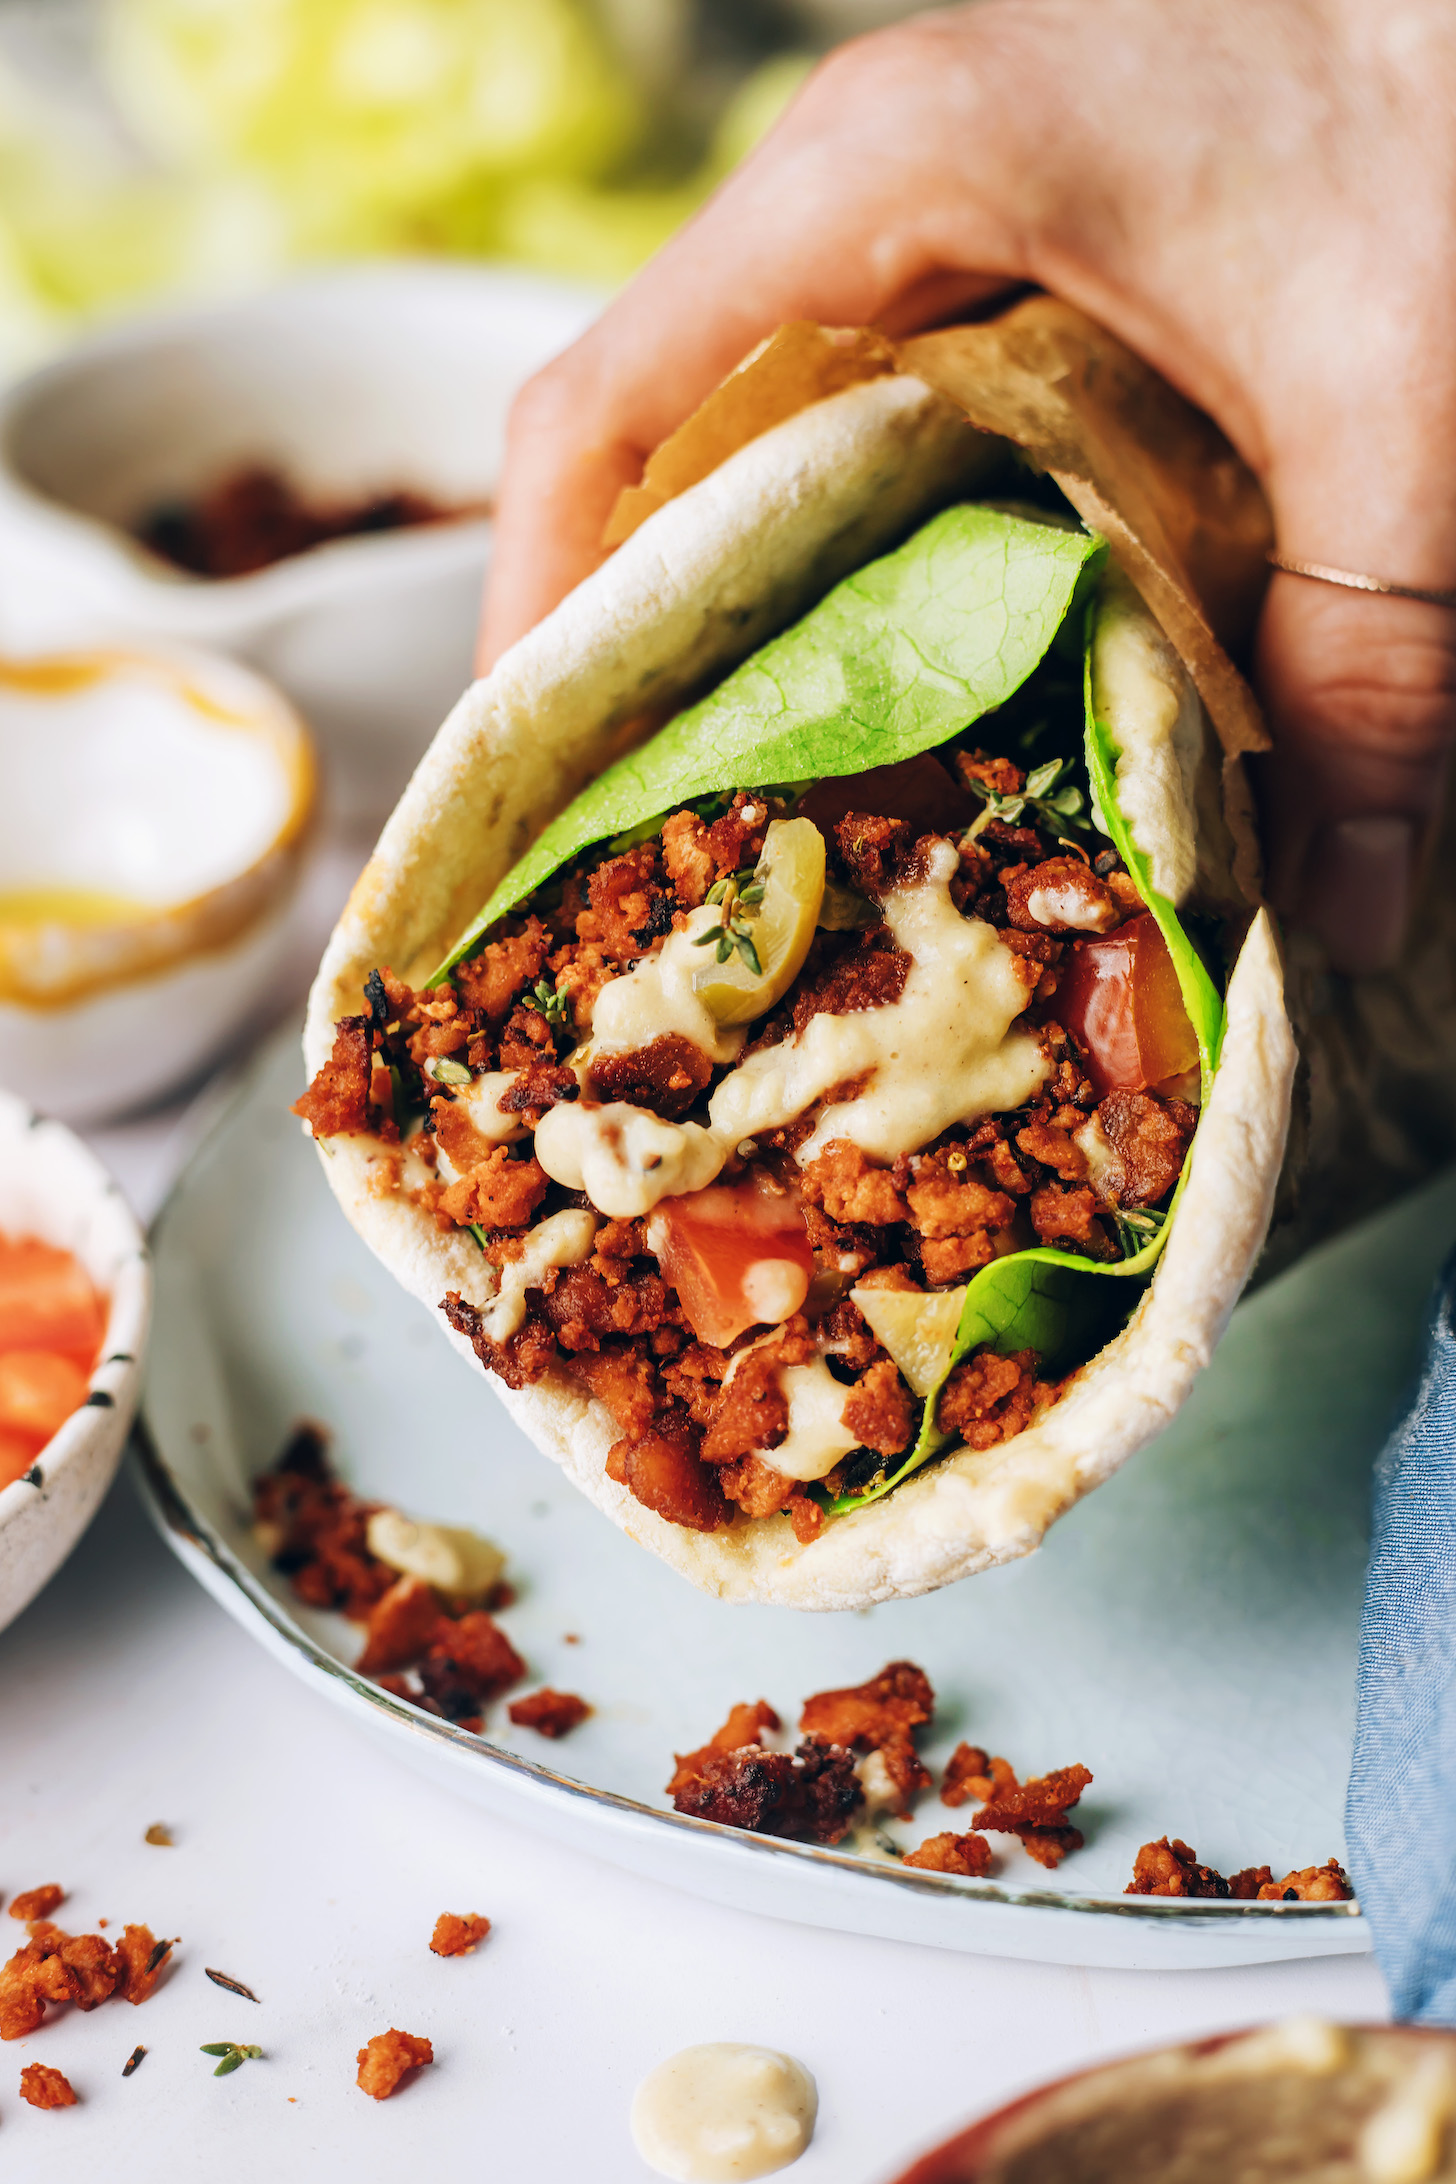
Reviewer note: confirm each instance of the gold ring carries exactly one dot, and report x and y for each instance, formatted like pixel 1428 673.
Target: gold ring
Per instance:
pixel 1353 582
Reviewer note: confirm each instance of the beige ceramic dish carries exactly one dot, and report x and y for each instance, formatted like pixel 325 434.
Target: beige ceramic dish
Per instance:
pixel 1302 2100
pixel 51 1187
pixel 156 812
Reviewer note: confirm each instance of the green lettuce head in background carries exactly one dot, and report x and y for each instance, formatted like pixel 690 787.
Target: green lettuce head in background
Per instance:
pixel 168 148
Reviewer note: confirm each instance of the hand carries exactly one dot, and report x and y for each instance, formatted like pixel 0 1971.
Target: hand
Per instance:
pixel 1257 195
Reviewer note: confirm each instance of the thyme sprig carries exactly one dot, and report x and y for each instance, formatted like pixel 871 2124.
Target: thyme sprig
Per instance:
pixel 739 898
pixel 554 1006
pixel 1136 1230
pixel 233 2055
pixel 1052 802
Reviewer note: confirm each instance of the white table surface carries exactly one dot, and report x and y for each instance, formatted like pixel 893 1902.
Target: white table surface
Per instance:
pixel 311 1866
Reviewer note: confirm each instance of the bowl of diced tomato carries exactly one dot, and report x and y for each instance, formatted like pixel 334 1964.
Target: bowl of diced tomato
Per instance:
pixel 75 1295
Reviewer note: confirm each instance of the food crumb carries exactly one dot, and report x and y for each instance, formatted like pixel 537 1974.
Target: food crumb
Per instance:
pixel 160 1835
pixel 967 1855
pixel 46 2088
pixel 572 1638
pixel 1035 1812
pixel 132 2061
pixel 550 1713
pixel 387 2060
pixel 37 1903
pixel 457 1935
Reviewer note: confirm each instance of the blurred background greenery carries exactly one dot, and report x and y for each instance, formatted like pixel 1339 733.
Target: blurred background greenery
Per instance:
pixel 163 149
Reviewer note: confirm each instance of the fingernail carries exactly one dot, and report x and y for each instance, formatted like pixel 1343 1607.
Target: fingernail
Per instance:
pixel 1357 888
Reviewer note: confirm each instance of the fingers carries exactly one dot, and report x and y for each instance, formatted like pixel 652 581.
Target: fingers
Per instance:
pixel 849 214
pixel 1361 692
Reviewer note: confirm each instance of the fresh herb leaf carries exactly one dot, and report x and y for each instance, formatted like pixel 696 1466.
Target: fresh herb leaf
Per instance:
pixel 477 1232
pixel 896 659
pixel 1136 1230
pixel 1050 807
pixel 740 897
pixel 233 2054
pixel 554 1006
pixel 234 1986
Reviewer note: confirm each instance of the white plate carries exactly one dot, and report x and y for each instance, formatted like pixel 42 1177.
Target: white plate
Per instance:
pixel 1188 1633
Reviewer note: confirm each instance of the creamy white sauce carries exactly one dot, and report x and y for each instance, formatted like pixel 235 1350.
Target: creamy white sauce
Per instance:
pixel 658 998
pixel 881 1791
pixel 562 1239
pixel 943 1053
pixel 1310 2045
pixel 720 2112
pixel 624 1158
pixel 480 1099
pixel 1403 2141
pixel 1143 692
pixel 461 1564
pixel 1064 904
pixel 817 1437
pixel 775 1288
pixel 1105 1171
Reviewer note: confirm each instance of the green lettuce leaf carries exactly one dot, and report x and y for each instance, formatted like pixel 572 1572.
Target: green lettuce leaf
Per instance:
pixel 896 659
pixel 1200 995
pixel 1036 1300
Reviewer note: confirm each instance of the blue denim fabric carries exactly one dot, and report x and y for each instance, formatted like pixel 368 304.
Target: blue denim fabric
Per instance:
pixel 1401 1809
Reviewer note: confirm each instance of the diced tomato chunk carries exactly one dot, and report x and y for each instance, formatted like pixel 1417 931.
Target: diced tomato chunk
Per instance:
pixel 47 1302
pixel 39 1389
pixel 18 1452
pixel 918 789
pixel 738 1256
pixel 1120 996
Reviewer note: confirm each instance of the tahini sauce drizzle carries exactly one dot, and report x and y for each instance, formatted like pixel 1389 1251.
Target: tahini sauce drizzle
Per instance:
pixel 723 2111
pixel 943 1053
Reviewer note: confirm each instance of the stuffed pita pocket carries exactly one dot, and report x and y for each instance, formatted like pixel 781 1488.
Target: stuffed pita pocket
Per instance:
pixel 842 1118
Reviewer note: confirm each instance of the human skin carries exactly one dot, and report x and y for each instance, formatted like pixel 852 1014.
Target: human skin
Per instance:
pixel 1257 195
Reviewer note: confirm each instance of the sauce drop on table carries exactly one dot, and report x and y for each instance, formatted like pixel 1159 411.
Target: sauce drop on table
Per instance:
pixel 724 2111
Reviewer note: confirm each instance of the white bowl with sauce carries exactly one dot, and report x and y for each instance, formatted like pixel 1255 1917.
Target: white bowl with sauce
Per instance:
pixel 351 382
pixel 156 814
pixel 51 1187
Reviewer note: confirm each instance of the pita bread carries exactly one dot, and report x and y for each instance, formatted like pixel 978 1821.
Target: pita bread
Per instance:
pixel 746 541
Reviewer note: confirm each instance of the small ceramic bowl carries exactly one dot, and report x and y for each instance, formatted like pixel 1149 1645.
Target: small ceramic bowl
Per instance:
pixel 1299 2099
pixel 155 816
pixel 51 1187
pixel 352 382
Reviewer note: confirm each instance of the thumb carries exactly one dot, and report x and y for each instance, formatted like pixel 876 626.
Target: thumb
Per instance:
pixel 1360 690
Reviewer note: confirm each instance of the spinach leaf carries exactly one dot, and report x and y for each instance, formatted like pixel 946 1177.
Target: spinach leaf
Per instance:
pixel 896 659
